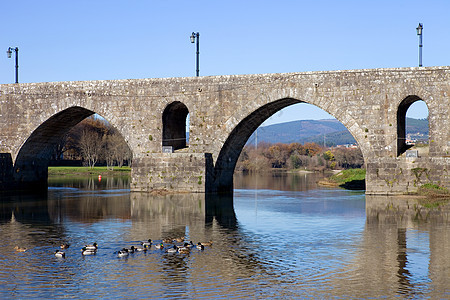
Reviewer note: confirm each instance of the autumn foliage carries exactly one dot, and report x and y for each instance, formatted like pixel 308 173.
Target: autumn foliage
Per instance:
pixel 297 156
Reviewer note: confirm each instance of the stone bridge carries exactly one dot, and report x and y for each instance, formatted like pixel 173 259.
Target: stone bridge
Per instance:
pixel 224 111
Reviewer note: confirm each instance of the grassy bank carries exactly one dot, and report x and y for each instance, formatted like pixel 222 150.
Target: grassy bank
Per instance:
pixel 76 171
pixel 433 195
pixel 352 179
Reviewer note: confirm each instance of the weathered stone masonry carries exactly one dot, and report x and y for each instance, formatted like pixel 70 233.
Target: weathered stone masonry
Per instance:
pixel 224 111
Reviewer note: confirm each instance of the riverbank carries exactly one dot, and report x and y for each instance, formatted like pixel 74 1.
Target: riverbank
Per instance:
pixel 351 179
pixel 77 171
pixel 433 195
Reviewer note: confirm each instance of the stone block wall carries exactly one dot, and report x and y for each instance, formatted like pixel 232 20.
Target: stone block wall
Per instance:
pixel 223 113
pixel 390 176
pixel 176 172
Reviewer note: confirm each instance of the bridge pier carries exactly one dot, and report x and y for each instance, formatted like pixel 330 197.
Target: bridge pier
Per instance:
pixel 175 172
pixel 402 175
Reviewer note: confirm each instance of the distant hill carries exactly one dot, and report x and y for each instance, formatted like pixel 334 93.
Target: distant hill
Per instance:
pixel 330 132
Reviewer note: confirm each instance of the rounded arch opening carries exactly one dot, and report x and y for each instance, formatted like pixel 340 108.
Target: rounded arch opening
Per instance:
pixel 231 150
pixel 44 143
pixel 412 124
pixel 175 126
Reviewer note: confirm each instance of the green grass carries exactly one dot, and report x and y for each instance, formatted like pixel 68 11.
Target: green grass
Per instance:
pixel 351 179
pixel 433 195
pixel 349 175
pixel 87 171
pixel 434 189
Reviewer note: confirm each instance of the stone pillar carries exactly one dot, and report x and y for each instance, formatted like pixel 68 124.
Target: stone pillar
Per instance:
pixel 174 172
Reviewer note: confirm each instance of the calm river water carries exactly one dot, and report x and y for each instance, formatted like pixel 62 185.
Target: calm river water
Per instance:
pixel 279 237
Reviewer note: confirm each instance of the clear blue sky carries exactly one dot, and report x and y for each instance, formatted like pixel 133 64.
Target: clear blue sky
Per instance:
pixel 89 40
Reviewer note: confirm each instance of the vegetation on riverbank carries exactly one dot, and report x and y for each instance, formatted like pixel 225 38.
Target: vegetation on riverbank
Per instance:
pixel 352 179
pixel 76 171
pixel 308 156
pixel 433 195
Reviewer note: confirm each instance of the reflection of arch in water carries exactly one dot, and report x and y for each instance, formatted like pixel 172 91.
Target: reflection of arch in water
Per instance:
pixel 25 208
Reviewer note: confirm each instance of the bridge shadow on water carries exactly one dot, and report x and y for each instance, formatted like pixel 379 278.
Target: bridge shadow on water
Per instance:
pixel 385 248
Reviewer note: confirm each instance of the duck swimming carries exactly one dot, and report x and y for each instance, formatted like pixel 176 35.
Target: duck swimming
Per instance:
pixel 172 250
pixel 184 250
pixel 19 249
pixel 86 251
pixel 159 246
pixel 60 254
pixel 64 246
pixel 147 243
pixel 207 243
pixel 145 248
pixel 180 239
pixel 94 246
pixel 122 253
pixel 189 245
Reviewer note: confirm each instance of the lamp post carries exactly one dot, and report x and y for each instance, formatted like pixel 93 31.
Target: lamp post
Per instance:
pixel 193 37
pixel 9 52
pixel 419 33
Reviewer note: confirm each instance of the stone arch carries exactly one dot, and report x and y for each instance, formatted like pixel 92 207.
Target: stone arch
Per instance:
pixel 31 164
pixel 174 125
pixel 232 147
pixel 401 122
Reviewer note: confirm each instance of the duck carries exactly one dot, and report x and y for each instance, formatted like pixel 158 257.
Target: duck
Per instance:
pixel 147 243
pixel 207 243
pixel 200 247
pixel 172 249
pixel 86 251
pixel 186 245
pixel 60 254
pixel 139 249
pixel 159 246
pixel 64 246
pixel 180 239
pixel 20 249
pixel 189 245
pixel 184 250
pixel 122 253
pixel 94 246
pixel 167 240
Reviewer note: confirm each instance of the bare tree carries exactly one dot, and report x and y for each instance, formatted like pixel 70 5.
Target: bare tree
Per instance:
pixel 91 146
pixel 121 150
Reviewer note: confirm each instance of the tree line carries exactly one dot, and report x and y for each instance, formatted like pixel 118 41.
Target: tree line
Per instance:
pixel 309 156
pixel 92 142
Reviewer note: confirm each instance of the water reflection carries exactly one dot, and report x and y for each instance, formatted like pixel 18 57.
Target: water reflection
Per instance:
pixel 405 247
pixel 266 243
pixel 281 181
pixel 93 182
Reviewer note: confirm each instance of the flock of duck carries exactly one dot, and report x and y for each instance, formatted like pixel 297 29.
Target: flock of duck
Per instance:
pixel 178 245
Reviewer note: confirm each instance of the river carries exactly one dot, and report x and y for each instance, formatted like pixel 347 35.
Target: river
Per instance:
pixel 279 236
